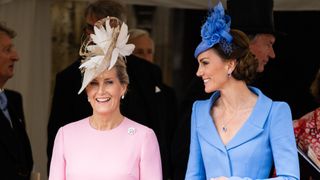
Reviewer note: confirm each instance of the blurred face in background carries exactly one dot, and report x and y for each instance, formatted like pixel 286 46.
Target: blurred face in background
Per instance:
pixel 8 56
pixel 262 47
pixel 144 47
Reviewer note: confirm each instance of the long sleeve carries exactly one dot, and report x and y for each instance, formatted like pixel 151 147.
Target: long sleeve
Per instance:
pixel 283 142
pixel 195 168
pixel 150 165
pixel 58 164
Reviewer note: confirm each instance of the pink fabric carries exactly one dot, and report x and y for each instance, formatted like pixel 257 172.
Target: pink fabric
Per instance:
pixel 307 132
pixel 127 152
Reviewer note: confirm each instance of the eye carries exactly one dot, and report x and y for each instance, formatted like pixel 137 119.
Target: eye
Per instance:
pixel 204 62
pixel 7 49
pixel 108 81
pixel 149 51
pixel 138 51
pixel 93 83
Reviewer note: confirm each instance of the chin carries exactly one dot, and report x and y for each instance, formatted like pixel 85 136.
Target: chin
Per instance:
pixel 208 90
pixel 103 111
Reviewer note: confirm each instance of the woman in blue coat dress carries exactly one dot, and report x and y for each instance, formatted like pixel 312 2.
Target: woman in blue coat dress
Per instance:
pixel 238 133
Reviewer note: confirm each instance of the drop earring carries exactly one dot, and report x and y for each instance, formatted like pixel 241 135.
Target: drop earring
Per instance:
pixel 122 97
pixel 229 74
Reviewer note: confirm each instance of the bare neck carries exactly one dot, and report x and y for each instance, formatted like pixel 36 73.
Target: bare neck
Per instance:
pixel 106 122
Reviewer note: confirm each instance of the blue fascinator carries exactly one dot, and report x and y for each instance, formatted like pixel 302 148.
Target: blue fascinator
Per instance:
pixel 215 30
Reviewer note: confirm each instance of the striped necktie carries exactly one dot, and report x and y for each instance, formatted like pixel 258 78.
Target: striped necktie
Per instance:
pixel 3 106
pixel 3 101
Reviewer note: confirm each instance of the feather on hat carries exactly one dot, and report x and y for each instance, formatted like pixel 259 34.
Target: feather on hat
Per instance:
pixel 215 30
pixel 102 50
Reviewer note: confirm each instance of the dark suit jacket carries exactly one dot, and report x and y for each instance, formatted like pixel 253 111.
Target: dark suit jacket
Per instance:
pixel 15 151
pixel 181 140
pixel 141 103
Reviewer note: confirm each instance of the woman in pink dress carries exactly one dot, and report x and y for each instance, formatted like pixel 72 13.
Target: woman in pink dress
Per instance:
pixel 106 145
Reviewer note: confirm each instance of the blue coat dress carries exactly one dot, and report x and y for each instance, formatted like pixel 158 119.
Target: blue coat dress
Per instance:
pixel 266 137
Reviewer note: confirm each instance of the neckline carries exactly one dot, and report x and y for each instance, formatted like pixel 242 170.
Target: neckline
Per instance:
pixel 215 96
pixel 105 131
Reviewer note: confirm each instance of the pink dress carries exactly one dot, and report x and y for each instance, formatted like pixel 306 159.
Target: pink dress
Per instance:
pixel 127 152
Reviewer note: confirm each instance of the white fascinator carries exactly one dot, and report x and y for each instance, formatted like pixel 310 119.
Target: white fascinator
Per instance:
pixel 104 47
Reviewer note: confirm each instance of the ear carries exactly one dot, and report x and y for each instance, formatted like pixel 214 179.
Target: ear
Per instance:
pixel 124 89
pixel 231 65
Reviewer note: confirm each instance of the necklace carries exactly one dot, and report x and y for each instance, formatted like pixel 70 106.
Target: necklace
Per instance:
pixel 224 125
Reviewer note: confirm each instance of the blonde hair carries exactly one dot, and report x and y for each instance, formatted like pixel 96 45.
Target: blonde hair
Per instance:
pixel 135 33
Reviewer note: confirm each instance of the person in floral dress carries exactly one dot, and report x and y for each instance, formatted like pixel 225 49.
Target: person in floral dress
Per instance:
pixel 307 128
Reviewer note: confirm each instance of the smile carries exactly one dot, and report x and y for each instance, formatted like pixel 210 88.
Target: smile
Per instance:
pixel 103 99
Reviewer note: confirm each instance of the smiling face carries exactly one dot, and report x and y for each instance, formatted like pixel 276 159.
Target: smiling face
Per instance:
pixel 213 70
pixel 262 47
pixel 8 56
pixel 104 93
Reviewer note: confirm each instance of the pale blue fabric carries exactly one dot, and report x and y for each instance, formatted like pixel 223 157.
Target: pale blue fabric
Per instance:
pixel 3 106
pixel 266 137
pixel 3 101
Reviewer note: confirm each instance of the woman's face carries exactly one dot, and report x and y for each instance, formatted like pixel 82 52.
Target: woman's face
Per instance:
pixel 213 70
pixel 104 92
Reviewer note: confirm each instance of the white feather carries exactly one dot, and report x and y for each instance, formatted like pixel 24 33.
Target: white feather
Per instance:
pixel 114 58
pixel 97 55
pixel 127 49
pixel 88 76
pixel 92 63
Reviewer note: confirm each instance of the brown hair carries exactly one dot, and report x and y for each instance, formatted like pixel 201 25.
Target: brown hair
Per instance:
pixel 246 67
pixel 315 87
pixel 103 8
pixel 11 33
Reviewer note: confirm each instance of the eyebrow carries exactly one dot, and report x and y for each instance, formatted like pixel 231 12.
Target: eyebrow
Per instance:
pixel 202 59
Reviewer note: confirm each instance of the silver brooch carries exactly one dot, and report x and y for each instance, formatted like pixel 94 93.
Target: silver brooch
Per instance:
pixel 131 131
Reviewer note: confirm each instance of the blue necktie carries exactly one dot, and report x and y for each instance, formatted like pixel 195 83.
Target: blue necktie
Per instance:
pixel 3 106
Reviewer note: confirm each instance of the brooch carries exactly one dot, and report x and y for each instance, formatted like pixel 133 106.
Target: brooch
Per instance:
pixel 131 131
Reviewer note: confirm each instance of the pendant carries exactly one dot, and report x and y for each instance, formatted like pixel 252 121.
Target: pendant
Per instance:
pixel 224 129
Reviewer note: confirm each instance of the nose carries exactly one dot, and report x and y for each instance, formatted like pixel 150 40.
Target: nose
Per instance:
pixel 199 72
pixel 101 88
pixel 15 56
pixel 272 54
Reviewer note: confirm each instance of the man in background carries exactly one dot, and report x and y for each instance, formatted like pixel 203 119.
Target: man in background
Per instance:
pixel 144 44
pixel 16 161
